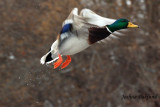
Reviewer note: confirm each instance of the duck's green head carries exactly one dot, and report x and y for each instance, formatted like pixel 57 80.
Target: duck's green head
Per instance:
pixel 121 24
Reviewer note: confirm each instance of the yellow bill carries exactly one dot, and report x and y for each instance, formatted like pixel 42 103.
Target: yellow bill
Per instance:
pixel 131 25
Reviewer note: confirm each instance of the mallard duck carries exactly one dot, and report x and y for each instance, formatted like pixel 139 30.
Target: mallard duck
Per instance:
pixel 80 32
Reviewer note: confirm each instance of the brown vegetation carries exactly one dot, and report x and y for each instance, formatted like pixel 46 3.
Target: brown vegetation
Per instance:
pixel 98 76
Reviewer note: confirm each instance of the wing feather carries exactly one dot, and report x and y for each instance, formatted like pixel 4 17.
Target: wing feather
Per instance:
pixel 77 21
pixel 71 15
pixel 95 19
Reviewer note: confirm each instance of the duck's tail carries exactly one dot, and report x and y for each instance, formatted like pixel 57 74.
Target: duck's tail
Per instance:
pixel 51 55
pixel 48 58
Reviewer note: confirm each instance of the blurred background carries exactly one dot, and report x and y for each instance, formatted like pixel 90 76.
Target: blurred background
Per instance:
pixel 96 77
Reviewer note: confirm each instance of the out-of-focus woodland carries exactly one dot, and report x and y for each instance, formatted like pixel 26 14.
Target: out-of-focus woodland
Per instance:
pixel 96 77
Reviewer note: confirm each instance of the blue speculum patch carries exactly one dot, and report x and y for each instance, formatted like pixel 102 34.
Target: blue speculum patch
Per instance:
pixel 66 28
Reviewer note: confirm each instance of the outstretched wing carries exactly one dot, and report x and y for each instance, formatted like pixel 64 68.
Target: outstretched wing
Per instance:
pixel 95 19
pixel 74 25
pixel 74 19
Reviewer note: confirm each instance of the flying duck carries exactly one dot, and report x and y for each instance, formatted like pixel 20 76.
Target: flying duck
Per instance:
pixel 80 32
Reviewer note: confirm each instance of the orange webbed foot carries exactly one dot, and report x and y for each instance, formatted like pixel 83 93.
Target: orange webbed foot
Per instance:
pixel 58 62
pixel 67 62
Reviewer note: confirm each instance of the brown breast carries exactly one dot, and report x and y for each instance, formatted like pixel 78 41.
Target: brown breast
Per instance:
pixel 97 34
